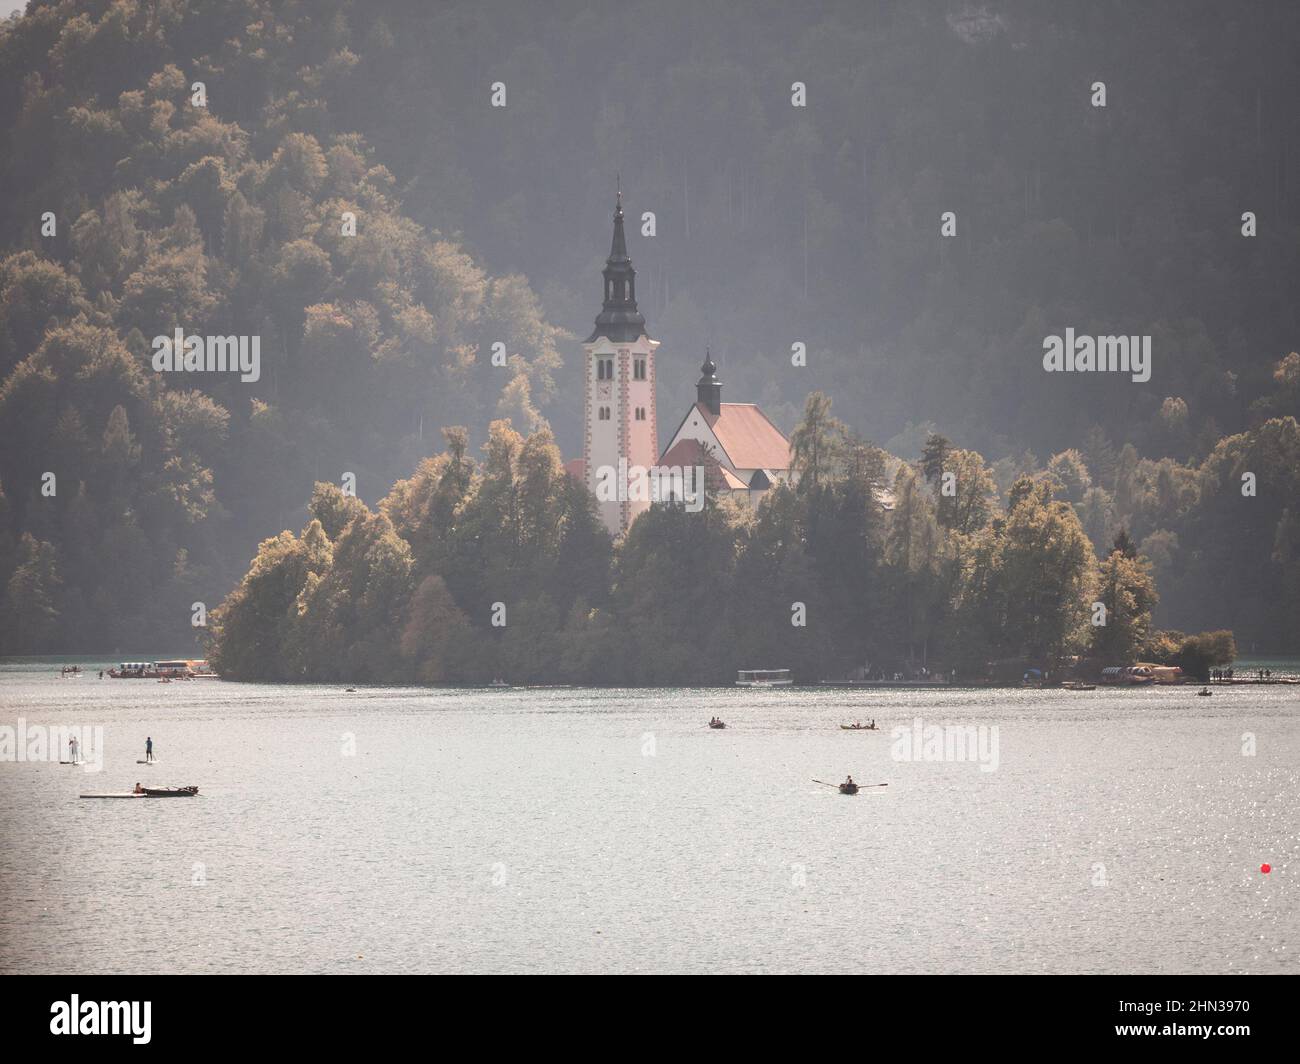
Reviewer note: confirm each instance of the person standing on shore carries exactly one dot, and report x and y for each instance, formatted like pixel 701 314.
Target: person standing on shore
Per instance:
pixel 148 748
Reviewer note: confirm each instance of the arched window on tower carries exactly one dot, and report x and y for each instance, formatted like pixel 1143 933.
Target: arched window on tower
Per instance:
pixel 638 369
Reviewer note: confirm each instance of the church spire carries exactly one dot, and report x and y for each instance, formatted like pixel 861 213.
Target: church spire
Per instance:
pixel 619 320
pixel 708 389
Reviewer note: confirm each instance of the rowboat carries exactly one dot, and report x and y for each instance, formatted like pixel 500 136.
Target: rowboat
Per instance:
pixel 1077 685
pixel 716 724
pixel 170 792
pixel 849 788
pixel 858 727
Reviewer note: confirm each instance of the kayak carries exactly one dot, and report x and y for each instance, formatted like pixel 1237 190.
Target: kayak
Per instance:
pixel 857 727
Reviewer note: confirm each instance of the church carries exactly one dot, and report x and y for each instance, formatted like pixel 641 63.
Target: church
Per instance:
pixel 739 451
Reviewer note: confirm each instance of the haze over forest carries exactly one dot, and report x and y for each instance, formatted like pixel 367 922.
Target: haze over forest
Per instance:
pixel 775 225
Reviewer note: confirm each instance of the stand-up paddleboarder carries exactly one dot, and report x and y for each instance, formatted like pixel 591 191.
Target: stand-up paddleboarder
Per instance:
pixel 148 748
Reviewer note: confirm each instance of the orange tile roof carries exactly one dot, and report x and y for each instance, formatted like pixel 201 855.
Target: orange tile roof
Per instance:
pixel 577 468
pixel 749 438
pixel 690 452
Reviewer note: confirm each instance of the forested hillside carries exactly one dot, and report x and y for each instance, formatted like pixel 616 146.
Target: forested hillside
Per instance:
pixel 774 224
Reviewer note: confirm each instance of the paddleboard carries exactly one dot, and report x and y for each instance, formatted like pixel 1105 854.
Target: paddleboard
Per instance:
pixel 127 795
pixel 70 762
pixel 153 762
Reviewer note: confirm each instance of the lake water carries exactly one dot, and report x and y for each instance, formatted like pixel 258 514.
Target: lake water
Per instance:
pixel 612 831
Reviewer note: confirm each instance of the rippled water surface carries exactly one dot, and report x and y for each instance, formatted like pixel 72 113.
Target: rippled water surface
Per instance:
pixel 611 830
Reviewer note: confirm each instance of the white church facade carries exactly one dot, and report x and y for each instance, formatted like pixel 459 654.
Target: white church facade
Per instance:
pixel 742 454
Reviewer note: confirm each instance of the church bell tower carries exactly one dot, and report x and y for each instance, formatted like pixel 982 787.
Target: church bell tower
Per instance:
pixel 621 435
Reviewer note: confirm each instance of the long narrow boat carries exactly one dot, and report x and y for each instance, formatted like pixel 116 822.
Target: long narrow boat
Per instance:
pixel 857 727
pixel 151 792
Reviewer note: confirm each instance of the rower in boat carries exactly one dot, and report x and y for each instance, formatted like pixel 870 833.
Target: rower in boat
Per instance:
pixel 138 788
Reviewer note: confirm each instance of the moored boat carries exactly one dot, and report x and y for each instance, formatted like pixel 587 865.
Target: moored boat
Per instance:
pixel 763 678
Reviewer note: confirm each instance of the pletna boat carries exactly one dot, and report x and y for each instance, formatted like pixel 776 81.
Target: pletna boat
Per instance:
pixel 763 678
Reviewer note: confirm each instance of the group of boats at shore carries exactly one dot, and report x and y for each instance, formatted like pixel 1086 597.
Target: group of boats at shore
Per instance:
pixel 163 671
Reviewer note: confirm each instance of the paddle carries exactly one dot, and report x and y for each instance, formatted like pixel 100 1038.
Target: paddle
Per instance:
pixel 860 786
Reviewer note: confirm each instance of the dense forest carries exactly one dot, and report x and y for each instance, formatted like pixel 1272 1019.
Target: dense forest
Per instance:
pixel 222 211
pixel 469 571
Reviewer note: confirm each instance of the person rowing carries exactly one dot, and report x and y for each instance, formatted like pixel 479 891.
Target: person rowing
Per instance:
pixel 849 782
pixel 138 788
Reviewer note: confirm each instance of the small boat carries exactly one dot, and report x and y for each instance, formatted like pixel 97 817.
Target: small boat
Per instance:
pixel 1204 692
pixel 1078 685
pixel 763 678
pixel 858 727
pixel 716 724
pixel 153 762
pixel 498 683
pixel 848 786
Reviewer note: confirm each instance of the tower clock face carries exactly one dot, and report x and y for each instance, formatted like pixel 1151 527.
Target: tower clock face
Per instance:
pixel 604 389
